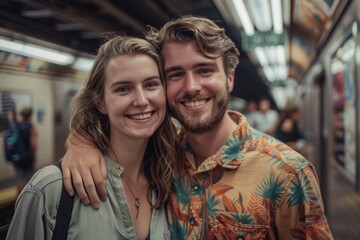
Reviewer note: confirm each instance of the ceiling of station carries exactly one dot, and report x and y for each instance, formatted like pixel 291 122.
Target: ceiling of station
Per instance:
pixel 80 24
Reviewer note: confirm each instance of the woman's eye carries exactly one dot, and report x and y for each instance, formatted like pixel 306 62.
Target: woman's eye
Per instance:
pixel 122 89
pixel 152 84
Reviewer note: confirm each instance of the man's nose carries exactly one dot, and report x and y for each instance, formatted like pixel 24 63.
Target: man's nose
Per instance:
pixel 192 84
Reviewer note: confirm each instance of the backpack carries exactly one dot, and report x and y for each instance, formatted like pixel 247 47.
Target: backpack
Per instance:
pixel 63 215
pixel 15 149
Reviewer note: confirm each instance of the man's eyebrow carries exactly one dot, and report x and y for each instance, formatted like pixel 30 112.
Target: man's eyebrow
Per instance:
pixel 201 64
pixel 205 64
pixel 173 68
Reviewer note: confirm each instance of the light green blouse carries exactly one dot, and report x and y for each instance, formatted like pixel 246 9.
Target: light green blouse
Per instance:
pixel 36 207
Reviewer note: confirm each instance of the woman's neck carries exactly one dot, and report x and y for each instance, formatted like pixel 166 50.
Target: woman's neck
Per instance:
pixel 130 154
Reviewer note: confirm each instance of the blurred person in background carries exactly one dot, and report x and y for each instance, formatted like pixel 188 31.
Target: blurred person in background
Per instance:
pixel 23 158
pixel 30 138
pixel 288 129
pixel 251 111
pixel 266 118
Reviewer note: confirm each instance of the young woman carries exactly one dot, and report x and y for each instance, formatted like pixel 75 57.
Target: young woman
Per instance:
pixel 122 111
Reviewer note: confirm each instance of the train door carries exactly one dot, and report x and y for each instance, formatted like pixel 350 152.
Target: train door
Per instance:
pixel 342 72
pixel 65 92
pixel 314 125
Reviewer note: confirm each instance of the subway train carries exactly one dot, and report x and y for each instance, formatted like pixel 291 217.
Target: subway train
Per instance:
pixel 328 95
pixel 326 64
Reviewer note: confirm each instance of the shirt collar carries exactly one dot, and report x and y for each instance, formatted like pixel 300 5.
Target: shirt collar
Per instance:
pixel 113 167
pixel 229 155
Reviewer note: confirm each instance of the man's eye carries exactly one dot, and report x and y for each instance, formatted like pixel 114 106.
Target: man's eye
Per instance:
pixel 206 71
pixel 175 76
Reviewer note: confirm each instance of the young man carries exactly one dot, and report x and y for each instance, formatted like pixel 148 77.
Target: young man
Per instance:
pixel 234 181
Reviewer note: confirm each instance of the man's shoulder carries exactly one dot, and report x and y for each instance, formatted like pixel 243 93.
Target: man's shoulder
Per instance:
pixel 277 152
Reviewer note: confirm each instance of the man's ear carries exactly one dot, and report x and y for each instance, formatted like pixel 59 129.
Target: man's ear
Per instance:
pixel 231 80
pixel 101 107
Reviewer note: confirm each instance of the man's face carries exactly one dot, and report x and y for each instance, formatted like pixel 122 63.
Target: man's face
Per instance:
pixel 197 86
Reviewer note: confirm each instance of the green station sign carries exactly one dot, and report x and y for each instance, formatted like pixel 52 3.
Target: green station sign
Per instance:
pixel 261 39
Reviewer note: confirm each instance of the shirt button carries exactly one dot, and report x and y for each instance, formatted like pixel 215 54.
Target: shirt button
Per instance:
pixel 195 187
pixel 192 221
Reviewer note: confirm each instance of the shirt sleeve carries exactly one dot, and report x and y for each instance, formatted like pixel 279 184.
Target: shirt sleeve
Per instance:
pixel 28 222
pixel 300 213
pixel 36 206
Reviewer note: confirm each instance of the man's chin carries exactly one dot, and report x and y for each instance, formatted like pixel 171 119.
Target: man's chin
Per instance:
pixel 200 127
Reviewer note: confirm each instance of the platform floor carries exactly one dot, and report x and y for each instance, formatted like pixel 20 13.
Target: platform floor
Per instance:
pixel 343 207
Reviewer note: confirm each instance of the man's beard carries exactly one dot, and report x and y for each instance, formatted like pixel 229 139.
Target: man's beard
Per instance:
pixel 209 123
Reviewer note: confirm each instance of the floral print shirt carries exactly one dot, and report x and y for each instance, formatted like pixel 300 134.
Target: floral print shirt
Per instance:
pixel 254 187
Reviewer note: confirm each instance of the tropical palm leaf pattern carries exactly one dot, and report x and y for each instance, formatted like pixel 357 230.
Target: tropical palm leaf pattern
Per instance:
pixel 254 187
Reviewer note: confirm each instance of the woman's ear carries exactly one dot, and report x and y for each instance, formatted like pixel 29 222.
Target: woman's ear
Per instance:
pixel 101 107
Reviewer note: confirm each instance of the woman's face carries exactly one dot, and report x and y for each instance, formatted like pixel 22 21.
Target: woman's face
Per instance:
pixel 134 97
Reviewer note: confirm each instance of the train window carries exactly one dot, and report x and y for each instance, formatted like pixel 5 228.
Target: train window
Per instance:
pixel 342 70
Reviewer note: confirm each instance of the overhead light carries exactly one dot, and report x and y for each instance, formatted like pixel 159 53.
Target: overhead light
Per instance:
pixel 68 27
pixel 37 13
pixel 84 64
pixel 30 50
pixel 337 66
pixel 243 15
pixel 260 54
pixel 280 96
pixel 280 52
pixel 260 10
pixel 281 71
pixel 277 16
pixel 287 12
pixel 269 73
pixel 90 35
pixel 348 50
pixel 48 54
pixel 271 54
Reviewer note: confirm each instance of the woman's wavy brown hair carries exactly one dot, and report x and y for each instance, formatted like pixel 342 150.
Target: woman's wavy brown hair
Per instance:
pixel 91 126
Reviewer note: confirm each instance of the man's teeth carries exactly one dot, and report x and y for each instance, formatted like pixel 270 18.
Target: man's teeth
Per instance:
pixel 141 116
pixel 195 103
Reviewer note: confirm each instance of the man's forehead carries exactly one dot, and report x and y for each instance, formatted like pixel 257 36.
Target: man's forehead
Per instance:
pixel 177 45
pixel 173 51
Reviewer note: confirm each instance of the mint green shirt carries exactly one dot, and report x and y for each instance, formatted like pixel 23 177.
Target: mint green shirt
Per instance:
pixel 36 207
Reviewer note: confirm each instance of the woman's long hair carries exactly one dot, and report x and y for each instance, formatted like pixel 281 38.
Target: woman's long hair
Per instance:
pixel 88 124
